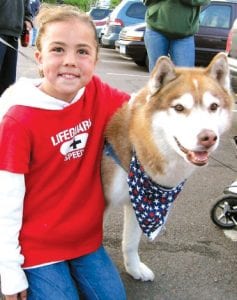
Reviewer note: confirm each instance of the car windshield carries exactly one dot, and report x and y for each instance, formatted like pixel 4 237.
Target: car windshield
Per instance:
pixel 99 13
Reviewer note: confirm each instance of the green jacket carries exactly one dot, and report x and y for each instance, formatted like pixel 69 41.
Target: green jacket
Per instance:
pixel 174 18
pixel 13 13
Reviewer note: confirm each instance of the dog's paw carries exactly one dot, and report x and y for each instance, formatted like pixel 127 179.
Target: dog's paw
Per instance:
pixel 141 272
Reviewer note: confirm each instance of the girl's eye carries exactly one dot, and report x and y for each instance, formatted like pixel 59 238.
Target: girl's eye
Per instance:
pixel 57 49
pixel 83 51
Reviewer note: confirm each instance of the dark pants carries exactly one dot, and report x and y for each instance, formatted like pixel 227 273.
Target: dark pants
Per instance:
pixel 8 62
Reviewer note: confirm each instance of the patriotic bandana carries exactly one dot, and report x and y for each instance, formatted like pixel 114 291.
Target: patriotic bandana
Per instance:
pixel 150 201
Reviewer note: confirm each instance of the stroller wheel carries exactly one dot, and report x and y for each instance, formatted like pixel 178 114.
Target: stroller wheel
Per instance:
pixel 220 212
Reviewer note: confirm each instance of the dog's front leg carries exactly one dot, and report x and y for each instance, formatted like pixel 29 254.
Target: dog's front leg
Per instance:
pixel 131 239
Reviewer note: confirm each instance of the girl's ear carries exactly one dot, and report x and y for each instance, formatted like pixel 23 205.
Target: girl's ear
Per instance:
pixel 38 57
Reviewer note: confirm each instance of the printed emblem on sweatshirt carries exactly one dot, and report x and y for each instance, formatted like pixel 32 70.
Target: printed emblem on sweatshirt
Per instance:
pixel 73 140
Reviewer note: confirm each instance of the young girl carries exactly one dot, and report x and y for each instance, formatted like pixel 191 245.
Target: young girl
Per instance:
pixel 51 143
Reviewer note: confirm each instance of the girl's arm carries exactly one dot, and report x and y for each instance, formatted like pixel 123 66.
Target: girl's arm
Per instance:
pixel 12 191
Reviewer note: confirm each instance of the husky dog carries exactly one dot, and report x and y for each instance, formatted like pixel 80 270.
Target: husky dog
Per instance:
pixel 157 140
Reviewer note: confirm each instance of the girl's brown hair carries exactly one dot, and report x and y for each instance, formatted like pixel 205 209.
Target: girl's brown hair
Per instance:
pixel 50 13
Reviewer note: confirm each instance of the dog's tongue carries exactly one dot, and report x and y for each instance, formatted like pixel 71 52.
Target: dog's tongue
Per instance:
pixel 199 158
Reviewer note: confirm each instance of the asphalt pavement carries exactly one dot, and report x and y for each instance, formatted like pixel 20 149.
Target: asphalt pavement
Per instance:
pixel 193 259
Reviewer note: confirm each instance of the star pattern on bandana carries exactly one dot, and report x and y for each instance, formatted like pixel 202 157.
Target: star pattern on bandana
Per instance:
pixel 151 202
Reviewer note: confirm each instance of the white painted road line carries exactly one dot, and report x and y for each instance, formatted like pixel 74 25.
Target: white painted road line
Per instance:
pixel 232 234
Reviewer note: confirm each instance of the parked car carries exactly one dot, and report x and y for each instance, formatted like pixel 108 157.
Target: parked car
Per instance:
pixel 99 16
pixel 216 19
pixel 131 44
pixel 128 12
pixel 231 49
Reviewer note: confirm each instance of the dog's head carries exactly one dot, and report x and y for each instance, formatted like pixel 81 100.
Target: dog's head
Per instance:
pixel 189 108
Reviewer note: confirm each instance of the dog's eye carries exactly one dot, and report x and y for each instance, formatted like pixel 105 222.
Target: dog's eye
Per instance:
pixel 178 107
pixel 214 107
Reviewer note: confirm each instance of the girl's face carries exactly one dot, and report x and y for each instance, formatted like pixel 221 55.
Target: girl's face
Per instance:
pixel 67 58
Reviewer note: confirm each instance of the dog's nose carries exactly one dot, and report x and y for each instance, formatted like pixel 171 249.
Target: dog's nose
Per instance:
pixel 207 138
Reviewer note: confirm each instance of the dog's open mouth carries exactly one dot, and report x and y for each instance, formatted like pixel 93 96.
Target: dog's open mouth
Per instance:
pixel 199 158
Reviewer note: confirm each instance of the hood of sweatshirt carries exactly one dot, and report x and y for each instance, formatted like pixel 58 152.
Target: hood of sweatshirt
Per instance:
pixel 26 92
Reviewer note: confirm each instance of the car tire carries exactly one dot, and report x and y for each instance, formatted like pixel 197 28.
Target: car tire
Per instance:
pixel 140 63
pixel 143 63
pixel 147 62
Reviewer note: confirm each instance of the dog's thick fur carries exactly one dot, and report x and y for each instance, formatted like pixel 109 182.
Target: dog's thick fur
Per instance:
pixel 173 124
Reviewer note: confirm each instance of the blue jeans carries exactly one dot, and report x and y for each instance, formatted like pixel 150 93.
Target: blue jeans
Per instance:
pixel 8 62
pixel 181 51
pixel 90 277
pixel 34 35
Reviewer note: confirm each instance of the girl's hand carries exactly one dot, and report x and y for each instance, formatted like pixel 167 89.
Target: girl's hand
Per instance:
pixel 20 296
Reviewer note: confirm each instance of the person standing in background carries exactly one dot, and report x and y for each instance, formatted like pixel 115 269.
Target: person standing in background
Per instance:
pixel 170 29
pixel 14 15
pixel 35 5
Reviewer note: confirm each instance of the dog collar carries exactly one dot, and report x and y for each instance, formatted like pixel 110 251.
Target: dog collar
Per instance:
pixel 151 202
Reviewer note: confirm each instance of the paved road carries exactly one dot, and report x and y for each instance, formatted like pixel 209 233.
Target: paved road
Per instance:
pixel 193 260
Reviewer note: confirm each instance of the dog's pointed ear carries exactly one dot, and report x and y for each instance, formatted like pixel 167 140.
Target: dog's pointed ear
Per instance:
pixel 218 69
pixel 163 72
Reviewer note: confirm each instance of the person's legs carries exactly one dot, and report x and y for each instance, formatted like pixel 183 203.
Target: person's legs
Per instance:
pixel 8 63
pixel 34 35
pixel 51 282
pixel 3 50
pixel 182 51
pixel 156 45
pixel 97 277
